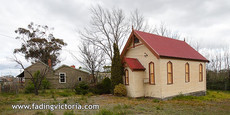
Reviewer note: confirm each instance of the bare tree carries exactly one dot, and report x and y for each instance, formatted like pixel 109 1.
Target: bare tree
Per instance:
pixel 35 77
pixel 163 30
pixel 193 43
pixel 139 22
pixel 107 27
pixel 197 46
pixel 92 58
pixel 226 59
pixel 227 64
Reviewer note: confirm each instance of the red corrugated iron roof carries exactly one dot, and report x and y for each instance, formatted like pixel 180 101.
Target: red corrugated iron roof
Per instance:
pixel 134 64
pixel 168 47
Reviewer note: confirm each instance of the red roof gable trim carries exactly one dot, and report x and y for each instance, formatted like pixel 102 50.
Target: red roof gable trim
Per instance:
pixel 134 64
pixel 128 43
pixel 147 45
pixel 165 47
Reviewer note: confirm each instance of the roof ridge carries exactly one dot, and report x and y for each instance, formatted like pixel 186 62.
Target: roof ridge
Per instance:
pixel 70 67
pixel 160 36
pixel 169 47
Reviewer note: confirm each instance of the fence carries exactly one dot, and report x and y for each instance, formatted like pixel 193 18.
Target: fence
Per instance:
pixel 10 87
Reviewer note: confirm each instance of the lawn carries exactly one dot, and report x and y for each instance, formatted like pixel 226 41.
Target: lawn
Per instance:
pixel 214 103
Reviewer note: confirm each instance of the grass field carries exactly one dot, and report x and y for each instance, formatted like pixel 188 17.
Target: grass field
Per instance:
pixel 214 103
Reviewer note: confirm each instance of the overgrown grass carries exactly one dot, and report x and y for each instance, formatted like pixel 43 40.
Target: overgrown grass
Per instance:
pixel 210 96
pixel 69 113
pixel 66 93
pixel 215 102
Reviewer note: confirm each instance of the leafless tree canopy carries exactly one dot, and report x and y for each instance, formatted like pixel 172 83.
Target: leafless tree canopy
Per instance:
pixel 107 27
pixel 139 22
pixel 91 57
pixel 163 30
pixel 111 26
pixel 219 59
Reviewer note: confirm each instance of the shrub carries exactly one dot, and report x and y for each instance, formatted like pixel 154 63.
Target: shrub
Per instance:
pixel 45 84
pixel 102 88
pixel 106 83
pixel 29 88
pixel 98 89
pixel 120 90
pixel 82 88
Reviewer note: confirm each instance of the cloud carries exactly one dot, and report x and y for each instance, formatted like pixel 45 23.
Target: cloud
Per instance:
pixel 206 21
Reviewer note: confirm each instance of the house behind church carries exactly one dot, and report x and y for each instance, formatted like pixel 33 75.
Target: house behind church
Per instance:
pixel 62 77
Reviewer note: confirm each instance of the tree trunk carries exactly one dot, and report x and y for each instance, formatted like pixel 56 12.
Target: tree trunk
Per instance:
pixel 35 90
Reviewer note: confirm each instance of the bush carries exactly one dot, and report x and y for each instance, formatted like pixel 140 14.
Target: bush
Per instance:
pixel 120 90
pixel 82 88
pixel 45 84
pixel 102 88
pixel 106 83
pixel 29 88
pixel 218 80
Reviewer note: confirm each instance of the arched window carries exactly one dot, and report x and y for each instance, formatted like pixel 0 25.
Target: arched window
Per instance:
pixel 151 73
pixel 169 73
pixel 187 72
pixel 200 72
pixel 126 77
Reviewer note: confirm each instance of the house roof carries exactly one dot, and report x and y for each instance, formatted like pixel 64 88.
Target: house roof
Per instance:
pixel 21 74
pixel 70 68
pixel 134 64
pixel 37 63
pixel 166 47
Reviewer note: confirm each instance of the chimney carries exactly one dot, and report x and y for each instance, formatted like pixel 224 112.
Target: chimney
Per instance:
pixel 49 63
pixel 73 66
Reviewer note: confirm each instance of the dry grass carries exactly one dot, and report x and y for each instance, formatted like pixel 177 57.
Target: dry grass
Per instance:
pixel 215 102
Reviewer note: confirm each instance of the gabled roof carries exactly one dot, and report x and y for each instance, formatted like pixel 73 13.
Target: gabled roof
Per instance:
pixel 70 68
pixel 134 64
pixel 165 47
pixel 37 63
pixel 21 74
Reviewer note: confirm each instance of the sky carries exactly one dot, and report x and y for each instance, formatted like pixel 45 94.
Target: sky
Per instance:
pixel 203 21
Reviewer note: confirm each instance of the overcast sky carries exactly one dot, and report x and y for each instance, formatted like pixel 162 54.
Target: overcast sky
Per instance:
pixel 205 21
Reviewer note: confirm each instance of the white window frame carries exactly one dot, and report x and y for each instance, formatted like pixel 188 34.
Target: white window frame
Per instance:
pixel 60 77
